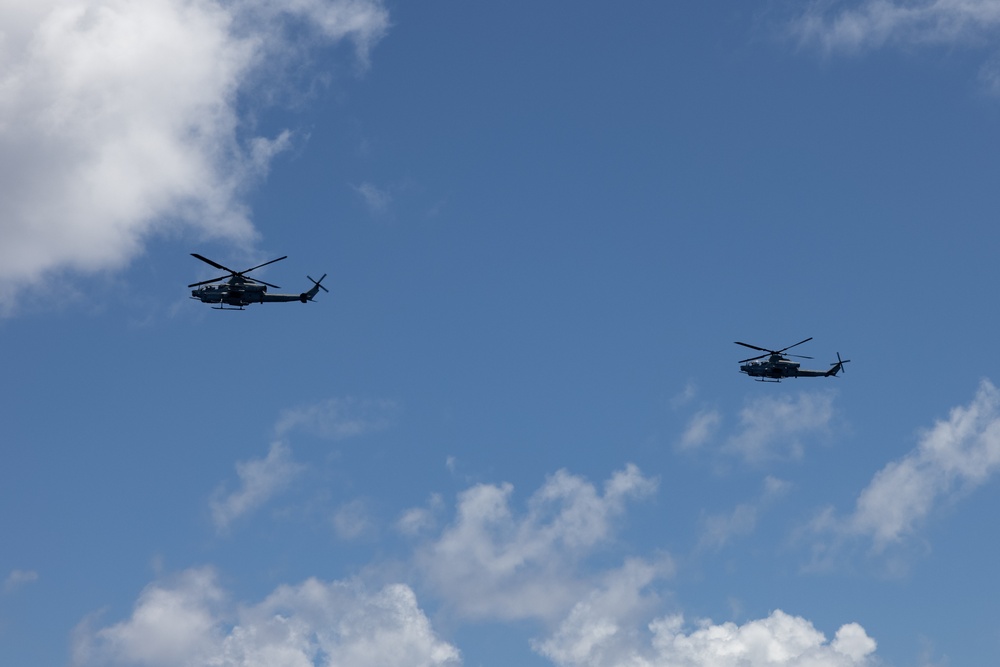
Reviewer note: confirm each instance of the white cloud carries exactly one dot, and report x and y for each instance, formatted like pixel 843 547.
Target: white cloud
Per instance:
pixel 780 640
pixel 170 625
pixel 191 621
pixel 337 418
pixel 120 118
pixel 491 563
pixel 772 428
pixel 18 578
pixel 852 27
pixel 952 458
pixel 598 629
pixel 260 479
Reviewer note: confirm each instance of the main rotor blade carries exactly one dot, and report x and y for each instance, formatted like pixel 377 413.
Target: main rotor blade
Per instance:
pixel 754 358
pixel 799 343
pixel 234 273
pixel 205 282
pixel 754 347
pixel 215 264
pixel 799 356
pixel 255 280
pixel 264 264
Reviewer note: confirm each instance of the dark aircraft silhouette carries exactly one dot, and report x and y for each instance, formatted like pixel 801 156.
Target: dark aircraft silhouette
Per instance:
pixel 238 290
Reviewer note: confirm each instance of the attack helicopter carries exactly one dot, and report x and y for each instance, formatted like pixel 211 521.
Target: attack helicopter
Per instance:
pixel 778 366
pixel 239 290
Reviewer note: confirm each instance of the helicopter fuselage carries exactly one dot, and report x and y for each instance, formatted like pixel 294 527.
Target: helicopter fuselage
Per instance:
pixel 777 368
pixel 240 293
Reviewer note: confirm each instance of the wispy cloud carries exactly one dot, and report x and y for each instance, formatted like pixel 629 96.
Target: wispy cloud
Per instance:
pixel 18 578
pixel 351 520
pixel 417 520
pixel 493 563
pixel 700 429
pixel 952 458
pixel 337 418
pixel 109 132
pixel 376 199
pixel 856 26
pixel 685 396
pixel 719 529
pixel 260 479
pixel 191 621
pixel 774 427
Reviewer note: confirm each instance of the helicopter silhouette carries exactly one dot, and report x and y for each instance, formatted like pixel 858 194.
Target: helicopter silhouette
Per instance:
pixel 238 290
pixel 778 366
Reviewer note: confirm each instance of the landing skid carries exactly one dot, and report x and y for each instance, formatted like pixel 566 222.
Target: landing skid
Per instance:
pixel 224 308
pixel 764 380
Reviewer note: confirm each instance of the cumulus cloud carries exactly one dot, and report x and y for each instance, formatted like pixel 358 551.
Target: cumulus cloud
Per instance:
pixel 776 641
pixel 855 26
pixel 192 621
pixel 119 119
pixel 951 459
pixel 493 563
pixel 773 427
pixel 598 629
pixel 337 418
pixel 779 639
pixel 260 479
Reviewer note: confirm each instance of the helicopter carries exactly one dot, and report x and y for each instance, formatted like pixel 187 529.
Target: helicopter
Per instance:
pixel 239 290
pixel 778 366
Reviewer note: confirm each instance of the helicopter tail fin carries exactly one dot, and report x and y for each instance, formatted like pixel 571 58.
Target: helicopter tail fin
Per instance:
pixel 837 367
pixel 314 290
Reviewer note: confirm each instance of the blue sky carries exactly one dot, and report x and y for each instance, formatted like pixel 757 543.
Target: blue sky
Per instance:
pixel 514 431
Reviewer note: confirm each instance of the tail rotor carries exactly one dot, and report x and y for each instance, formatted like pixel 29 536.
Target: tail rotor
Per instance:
pixel 314 290
pixel 317 283
pixel 839 366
